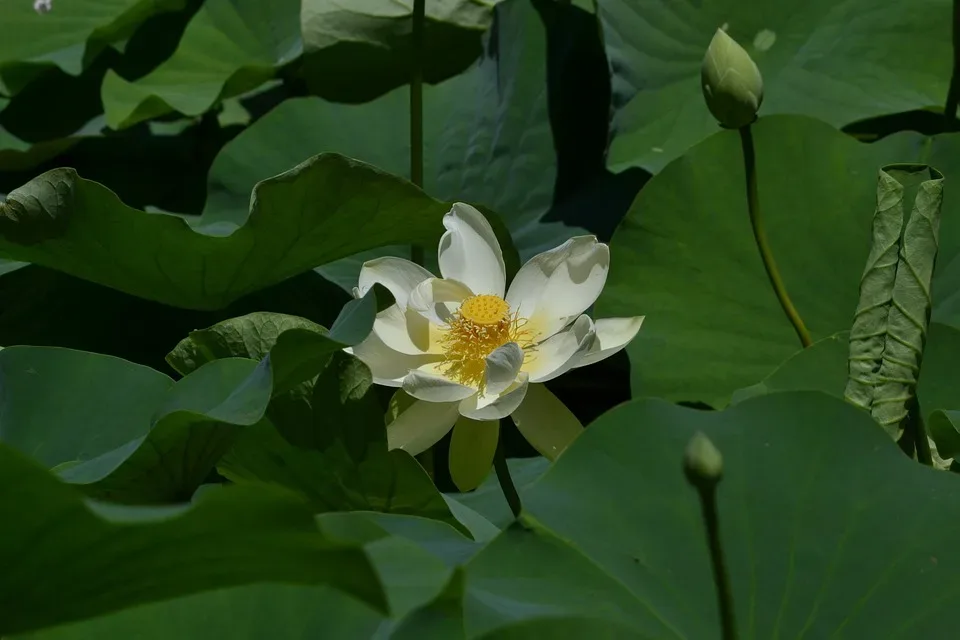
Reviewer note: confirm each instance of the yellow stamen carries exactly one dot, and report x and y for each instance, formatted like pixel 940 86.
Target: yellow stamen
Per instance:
pixel 481 325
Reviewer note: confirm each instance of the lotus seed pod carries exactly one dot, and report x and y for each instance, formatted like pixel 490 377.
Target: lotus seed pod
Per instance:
pixel 732 84
pixel 702 461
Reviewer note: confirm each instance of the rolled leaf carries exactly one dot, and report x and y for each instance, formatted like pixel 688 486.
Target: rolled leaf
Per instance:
pixel 868 334
pixel 910 308
pixel 890 326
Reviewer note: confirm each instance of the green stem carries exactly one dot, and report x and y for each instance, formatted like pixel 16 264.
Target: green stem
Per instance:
pixel 416 107
pixel 953 93
pixel 503 476
pixel 721 579
pixel 924 455
pixel 756 221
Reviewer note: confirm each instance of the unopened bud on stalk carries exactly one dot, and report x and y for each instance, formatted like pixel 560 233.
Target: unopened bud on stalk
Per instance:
pixel 731 82
pixel 702 462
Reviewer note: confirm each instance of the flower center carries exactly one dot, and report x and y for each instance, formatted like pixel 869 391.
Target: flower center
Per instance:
pixel 485 309
pixel 481 325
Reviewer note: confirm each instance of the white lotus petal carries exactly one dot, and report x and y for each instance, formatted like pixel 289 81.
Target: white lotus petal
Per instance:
pixel 503 366
pixel 613 334
pixel 407 331
pixel 388 366
pixel 436 299
pixel 469 251
pixel 428 383
pixel 562 351
pixel 399 276
pixel 546 422
pixel 472 448
pixel 556 286
pixel 495 407
pixel 421 426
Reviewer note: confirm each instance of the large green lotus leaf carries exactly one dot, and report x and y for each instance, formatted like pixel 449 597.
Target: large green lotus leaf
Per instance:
pixel 202 416
pixel 943 153
pixel 328 443
pixel 68 37
pixel 9 266
pixel 820 367
pixel 418 560
pixel 102 402
pixel 121 431
pixel 109 557
pixel 487 139
pixel 413 557
pixel 442 617
pixel 356 51
pixel 838 63
pixel 230 47
pixel 297 349
pixel 937 387
pixel 276 611
pixel 583 563
pixel 804 557
pixel 324 436
pixel 824 367
pixel 685 255
pixel 299 219
pixel 250 336
pixel 487 500
pixel 206 412
pixel 390 482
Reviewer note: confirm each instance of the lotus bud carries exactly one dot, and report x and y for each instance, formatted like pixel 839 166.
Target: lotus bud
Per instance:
pixel 732 84
pixel 702 462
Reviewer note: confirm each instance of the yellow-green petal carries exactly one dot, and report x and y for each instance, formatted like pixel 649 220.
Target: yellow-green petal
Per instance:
pixel 472 446
pixel 546 422
pixel 421 425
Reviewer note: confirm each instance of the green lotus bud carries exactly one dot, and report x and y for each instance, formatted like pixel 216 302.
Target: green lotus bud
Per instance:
pixel 702 461
pixel 732 84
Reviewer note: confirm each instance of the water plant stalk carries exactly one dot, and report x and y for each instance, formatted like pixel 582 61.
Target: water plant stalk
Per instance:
pixel 416 107
pixel 703 468
pixel 721 578
pixel 756 222
pixel 919 431
pixel 504 478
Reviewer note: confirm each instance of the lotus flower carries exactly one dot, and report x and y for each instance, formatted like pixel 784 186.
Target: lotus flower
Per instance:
pixel 468 351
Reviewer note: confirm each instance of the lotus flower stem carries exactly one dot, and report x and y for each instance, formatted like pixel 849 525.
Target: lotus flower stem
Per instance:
pixel 919 430
pixel 503 476
pixel 708 505
pixel 416 107
pixel 756 221
pixel 703 467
